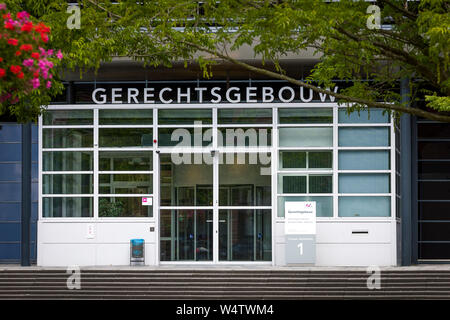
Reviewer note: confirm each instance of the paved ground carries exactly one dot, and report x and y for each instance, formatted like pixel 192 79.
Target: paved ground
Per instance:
pixel 422 267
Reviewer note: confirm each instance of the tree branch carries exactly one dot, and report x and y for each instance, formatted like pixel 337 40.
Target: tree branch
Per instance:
pixel 370 104
pixel 406 12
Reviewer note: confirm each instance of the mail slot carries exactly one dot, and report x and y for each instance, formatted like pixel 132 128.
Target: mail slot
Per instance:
pixel 137 252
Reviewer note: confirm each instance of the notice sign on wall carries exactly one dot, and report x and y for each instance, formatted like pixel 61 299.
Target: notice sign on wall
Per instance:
pixel 300 232
pixel 300 217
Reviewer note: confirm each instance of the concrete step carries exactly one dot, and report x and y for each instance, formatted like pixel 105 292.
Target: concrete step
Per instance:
pixel 223 284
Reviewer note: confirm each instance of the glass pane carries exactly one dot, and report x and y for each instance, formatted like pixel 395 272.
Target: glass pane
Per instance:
pixel 320 184
pixel 305 115
pixel 363 137
pixel 364 160
pixel 434 251
pixel 67 161
pixel 65 207
pixel 320 159
pixel 123 207
pixel 125 183
pixel 291 184
pixel 324 205
pixel 434 231
pixel 248 137
pixel 184 116
pixel 434 169
pixel 133 117
pixel 184 137
pixel 264 196
pixel 245 235
pixel 434 150
pixel 67 138
pixel 292 159
pixel 306 137
pixel 240 175
pixel 247 116
pixel 434 190
pixel 186 235
pixel 364 183
pixel 67 117
pixel 204 196
pixel 185 196
pixel 67 184
pixel 125 137
pixel 180 176
pixel 433 131
pixel 125 161
pixel 364 206
pixel 364 116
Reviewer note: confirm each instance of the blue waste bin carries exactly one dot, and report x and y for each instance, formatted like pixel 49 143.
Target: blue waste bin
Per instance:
pixel 137 252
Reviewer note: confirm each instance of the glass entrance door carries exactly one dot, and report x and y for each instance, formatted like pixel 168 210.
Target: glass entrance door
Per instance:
pixel 214 211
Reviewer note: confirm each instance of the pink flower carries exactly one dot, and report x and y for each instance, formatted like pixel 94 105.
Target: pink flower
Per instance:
pixel 36 83
pixel 49 84
pixel 28 62
pixel 59 55
pixel 2 6
pixel 23 15
pixel 50 52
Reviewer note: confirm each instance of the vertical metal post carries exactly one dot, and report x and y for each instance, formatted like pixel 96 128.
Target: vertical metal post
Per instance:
pixel 26 194
pixel 406 187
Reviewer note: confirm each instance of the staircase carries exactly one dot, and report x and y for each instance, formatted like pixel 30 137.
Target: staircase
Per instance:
pixel 222 284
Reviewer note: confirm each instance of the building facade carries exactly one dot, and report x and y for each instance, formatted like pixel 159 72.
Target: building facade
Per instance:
pixel 202 171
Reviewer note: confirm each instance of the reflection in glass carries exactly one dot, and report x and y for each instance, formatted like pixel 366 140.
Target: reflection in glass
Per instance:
pixel 67 161
pixel 245 235
pixel 186 235
pixel 244 115
pixel 67 138
pixel 132 117
pixel 241 180
pixel 125 183
pixel 364 160
pixel 291 183
pixel 306 137
pixel 184 137
pixel 320 184
pixel 364 116
pixel 306 159
pixel 67 184
pixel 244 137
pixel 67 207
pixel 67 117
pixel 320 159
pixel 364 137
pixel 125 137
pixel 364 183
pixel 178 182
pixel 364 206
pixel 184 116
pixel 123 207
pixel 292 159
pixel 305 115
pixel 125 161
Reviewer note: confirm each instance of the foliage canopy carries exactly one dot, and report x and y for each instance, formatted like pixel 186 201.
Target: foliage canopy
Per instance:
pixel 412 42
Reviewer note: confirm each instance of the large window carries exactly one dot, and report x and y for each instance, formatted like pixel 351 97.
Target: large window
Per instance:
pixel 99 163
pixel 122 176
pixel 305 158
pixel 67 163
pixel 364 157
